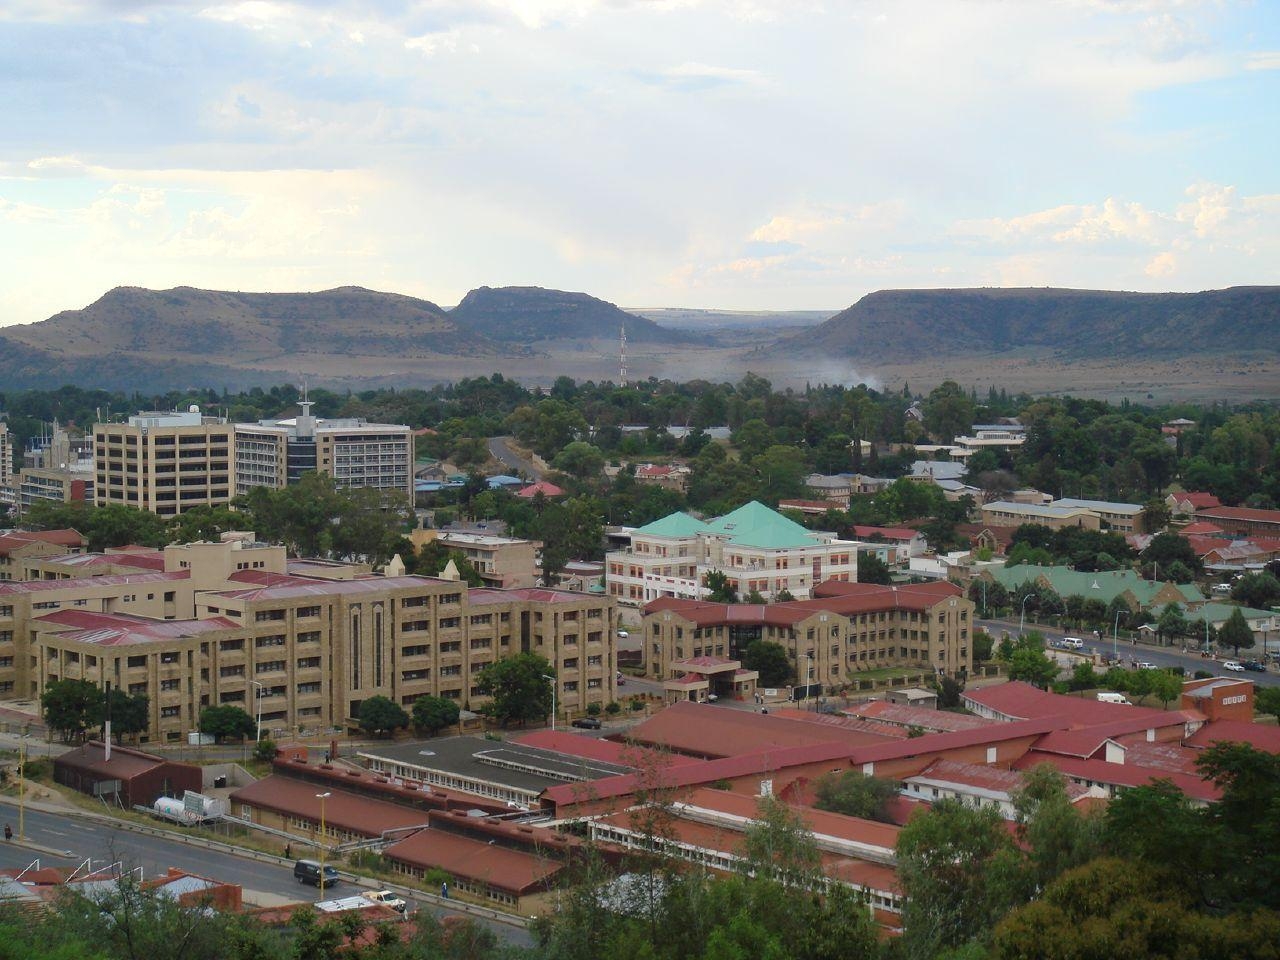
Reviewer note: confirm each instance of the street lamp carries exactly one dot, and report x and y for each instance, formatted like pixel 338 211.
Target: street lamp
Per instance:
pixel 1022 620
pixel 22 787
pixel 1115 637
pixel 322 797
pixel 259 685
pixel 552 681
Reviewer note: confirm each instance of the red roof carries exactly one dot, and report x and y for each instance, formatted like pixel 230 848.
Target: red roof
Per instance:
pixel 904 716
pixel 1262 736
pixel 116 580
pixel 541 487
pixel 1023 701
pixel 18 538
pixel 595 748
pixel 346 811
pixel 818 821
pixel 1240 513
pixel 834 596
pixel 1201 529
pixel 483 595
pixel 265 578
pixel 807 504
pixel 1120 774
pixel 124 764
pixel 1199 500
pixel 119 629
pixel 981 777
pixel 887 533
pixel 514 871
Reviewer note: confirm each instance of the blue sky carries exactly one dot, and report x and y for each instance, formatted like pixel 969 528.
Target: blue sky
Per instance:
pixel 746 154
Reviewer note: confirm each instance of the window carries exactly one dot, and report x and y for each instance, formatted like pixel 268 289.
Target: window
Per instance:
pixel 231 671
pixel 417 650
pixel 447 623
pixel 309 636
pixel 304 688
pixel 276 640
pixel 455 670
pixel 170 685
pixel 308 611
pixel 229 645
pixel 137 662
pixel 269 666
pixel 166 712
pixel 137 688
pixel 171 656
pixel 308 663
pixel 571 663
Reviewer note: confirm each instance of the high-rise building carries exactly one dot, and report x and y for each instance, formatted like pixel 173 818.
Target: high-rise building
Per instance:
pixel 55 467
pixel 356 453
pixel 164 462
pixel 6 461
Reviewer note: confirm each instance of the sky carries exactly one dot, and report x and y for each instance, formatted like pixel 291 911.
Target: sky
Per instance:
pixel 735 154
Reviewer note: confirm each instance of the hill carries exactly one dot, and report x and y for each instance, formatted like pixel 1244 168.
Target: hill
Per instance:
pixel 532 314
pixel 172 338
pixel 897 325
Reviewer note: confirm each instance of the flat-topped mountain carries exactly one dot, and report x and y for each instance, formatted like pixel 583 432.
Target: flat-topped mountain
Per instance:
pixel 531 314
pixel 901 325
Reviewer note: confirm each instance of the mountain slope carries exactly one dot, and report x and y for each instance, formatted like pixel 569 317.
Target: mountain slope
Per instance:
pixel 891 325
pixel 530 314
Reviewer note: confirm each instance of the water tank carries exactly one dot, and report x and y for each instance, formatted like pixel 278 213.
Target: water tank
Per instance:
pixel 194 408
pixel 171 809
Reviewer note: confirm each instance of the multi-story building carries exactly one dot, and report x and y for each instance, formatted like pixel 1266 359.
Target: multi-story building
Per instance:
pixel 55 467
pixel 500 561
pixel 1006 513
pixel 164 462
pixel 754 547
pixel 6 457
pixel 1120 517
pixel 223 625
pixel 19 547
pixel 356 453
pixel 847 628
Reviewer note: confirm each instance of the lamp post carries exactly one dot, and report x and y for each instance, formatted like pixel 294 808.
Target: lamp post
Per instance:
pixel 322 797
pixel 552 681
pixel 1022 620
pixel 259 685
pixel 1115 637
pixel 22 787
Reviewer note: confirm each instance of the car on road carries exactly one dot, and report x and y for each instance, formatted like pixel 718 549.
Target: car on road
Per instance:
pixel 387 899
pixel 1146 665
pixel 309 871
pixel 623 634
pixel 587 723
pixel 1072 643
pixel 620 680
pixel 1255 666
pixel 1232 665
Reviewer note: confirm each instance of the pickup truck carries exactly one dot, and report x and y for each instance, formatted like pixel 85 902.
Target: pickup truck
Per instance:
pixel 387 899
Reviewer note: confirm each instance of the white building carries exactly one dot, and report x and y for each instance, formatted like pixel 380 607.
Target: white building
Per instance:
pixel 754 547
pixel 356 453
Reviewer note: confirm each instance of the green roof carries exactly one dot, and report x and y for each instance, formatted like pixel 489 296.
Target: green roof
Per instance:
pixel 1104 585
pixel 1219 612
pixel 673 525
pixel 755 525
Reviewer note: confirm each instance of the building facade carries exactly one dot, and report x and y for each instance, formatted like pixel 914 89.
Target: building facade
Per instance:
pixel 754 547
pixel 164 462
pixel 829 639
pixel 301 653
pixel 356 453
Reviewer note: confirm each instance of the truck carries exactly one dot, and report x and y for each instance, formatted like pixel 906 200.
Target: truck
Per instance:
pixel 387 898
pixel 1114 698
pixel 192 808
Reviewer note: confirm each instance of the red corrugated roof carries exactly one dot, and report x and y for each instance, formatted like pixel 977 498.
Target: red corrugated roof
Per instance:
pixel 511 870
pixel 117 580
pixel 1199 500
pixel 1020 699
pixel 346 811
pixel 834 596
pixel 20 538
pixel 1202 529
pixel 1240 513
pixel 123 765
pixel 922 717
pixel 118 629
pixel 888 533
pixel 596 748
pixel 1120 774
pixel 265 578
pixel 482 595
pixel 541 487
pixel 838 825
pixel 1264 737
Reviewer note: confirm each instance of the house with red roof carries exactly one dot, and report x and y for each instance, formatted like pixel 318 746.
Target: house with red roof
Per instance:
pixel 1242 521
pixel 1185 504
pixel 17 546
pixel 544 487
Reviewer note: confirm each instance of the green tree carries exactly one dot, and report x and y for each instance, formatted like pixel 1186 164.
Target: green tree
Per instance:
pixel 1235 633
pixel 72 707
pixel 948 411
pixel 947 865
pixel 379 715
pixel 1033 667
pixel 771 660
pixel 1267 700
pixel 855 794
pixel 1172 623
pixel 226 720
pixel 1055 835
pixel 433 714
pixel 129 713
pixel 779 847
pixel 949 692
pixel 519 688
pixel 717 583
pixel 580 459
pixel 1165 687
pixel 1257 590
pixel 871 569
pixel 982 644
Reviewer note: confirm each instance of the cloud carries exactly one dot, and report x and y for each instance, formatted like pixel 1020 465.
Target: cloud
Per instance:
pixel 1162 265
pixel 1263 60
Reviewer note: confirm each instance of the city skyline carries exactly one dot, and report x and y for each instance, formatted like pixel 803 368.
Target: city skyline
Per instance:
pixel 740 154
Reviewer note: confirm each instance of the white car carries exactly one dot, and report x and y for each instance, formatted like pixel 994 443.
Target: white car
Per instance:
pixel 387 899
pixel 1232 665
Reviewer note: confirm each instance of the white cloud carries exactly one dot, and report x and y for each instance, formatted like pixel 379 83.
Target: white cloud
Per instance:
pixel 1264 60
pixel 1162 265
pixel 705 71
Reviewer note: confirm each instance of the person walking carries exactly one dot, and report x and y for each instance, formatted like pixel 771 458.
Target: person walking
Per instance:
pixel 8 832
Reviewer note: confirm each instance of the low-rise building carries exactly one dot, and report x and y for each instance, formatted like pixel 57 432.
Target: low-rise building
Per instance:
pixel 501 561
pixel 1242 521
pixel 1120 517
pixel 1006 513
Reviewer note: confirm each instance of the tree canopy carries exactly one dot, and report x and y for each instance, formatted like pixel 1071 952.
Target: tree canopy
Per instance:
pixel 519 688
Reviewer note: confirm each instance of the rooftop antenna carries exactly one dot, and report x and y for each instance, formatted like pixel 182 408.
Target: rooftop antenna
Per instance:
pixel 622 357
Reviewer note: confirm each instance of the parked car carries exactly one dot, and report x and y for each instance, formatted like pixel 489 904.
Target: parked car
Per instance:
pixel 587 723
pixel 308 871
pixel 1146 665
pixel 1072 643
pixel 1232 665
pixel 1255 666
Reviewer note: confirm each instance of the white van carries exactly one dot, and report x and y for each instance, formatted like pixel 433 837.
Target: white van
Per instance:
pixel 1072 643
pixel 1113 698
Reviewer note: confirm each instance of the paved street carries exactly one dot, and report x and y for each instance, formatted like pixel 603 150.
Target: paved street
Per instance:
pixel 107 844
pixel 1160 656
pixel 519 466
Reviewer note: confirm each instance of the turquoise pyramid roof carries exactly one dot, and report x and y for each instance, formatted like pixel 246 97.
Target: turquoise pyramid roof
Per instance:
pixel 673 525
pixel 755 525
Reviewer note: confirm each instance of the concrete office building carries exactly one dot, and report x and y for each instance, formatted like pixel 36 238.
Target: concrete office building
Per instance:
pixel 164 462
pixel 224 624
pixel 356 453
pixel 55 467
pixel 6 457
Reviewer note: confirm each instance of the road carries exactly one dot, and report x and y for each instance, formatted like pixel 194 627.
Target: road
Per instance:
pixel 1127 651
pixel 106 844
pixel 499 450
